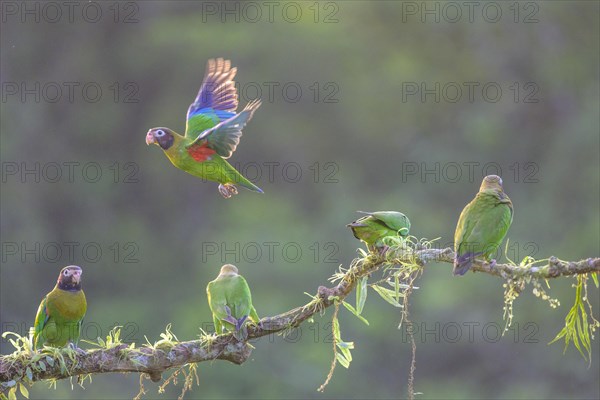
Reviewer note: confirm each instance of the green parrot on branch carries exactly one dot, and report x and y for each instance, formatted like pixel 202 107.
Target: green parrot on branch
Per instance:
pixel 230 302
pixel 212 132
pixel 482 225
pixel 374 226
pixel 60 314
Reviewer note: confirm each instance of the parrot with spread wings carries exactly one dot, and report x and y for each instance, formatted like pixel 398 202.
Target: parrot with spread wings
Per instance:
pixel 60 314
pixel 212 133
pixel 482 225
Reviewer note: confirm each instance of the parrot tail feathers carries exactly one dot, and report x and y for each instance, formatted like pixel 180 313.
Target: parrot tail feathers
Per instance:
pixel 250 186
pixel 240 323
pixel 243 182
pixel 229 318
pixel 241 332
pixel 463 263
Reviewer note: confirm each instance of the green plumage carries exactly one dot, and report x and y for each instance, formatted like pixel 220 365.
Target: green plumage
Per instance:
pixel 375 226
pixel 60 314
pixel 230 302
pixel 213 131
pixel 482 225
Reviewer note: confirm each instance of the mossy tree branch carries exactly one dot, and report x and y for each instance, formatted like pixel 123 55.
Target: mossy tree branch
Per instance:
pixel 154 360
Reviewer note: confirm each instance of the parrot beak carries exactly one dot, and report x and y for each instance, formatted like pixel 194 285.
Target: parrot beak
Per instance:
pixel 76 277
pixel 150 138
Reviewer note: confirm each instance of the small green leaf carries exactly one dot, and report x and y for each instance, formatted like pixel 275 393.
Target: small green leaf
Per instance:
pixel 345 348
pixel 29 374
pixel 12 393
pixel 343 362
pixel 353 311
pixel 10 383
pixel 387 295
pixel 349 307
pixel 50 361
pixel 42 365
pixel 346 345
pixel 24 391
pixel 595 278
pixel 361 295
pixel 336 329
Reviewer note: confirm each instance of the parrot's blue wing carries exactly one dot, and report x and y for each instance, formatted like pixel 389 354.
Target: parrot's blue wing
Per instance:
pixel 225 136
pixel 218 89
pixel 203 119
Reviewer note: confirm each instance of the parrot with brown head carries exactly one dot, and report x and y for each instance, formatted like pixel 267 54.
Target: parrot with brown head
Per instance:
pixel 482 225
pixel 213 131
pixel 60 314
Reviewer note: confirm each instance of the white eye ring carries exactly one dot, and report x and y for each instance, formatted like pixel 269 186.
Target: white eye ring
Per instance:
pixel 160 132
pixel 66 273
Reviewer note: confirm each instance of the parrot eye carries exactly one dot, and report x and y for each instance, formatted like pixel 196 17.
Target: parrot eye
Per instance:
pixel 66 273
pixel 160 132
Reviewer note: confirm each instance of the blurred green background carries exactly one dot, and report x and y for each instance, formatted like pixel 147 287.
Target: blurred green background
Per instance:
pixel 344 113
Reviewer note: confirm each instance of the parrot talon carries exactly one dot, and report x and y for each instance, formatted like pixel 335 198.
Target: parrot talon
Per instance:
pixel 493 263
pixel 76 349
pixel 227 190
pixel 384 249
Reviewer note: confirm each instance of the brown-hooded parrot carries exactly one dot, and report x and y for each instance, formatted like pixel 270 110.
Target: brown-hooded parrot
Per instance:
pixel 60 314
pixel 212 132
pixel 374 226
pixel 230 301
pixel 482 225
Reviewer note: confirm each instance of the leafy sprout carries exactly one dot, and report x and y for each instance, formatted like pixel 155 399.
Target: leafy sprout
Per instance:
pixel 579 326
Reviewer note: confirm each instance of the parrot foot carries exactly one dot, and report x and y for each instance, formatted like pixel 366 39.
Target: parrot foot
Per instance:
pixel 227 190
pixel 384 249
pixel 78 350
pixel 492 263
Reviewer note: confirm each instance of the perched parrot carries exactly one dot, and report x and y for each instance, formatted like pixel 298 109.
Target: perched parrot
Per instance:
pixel 230 301
pixel 59 317
pixel 482 225
pixel 377 225
pixel 212 132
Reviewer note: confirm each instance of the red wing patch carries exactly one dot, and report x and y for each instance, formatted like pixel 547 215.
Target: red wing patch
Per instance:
pixel 201 152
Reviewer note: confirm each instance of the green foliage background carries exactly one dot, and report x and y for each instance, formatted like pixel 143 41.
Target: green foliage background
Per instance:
pixel 370 134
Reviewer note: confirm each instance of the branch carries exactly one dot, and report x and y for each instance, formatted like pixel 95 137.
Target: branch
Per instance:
pixel 153 361
pixel 123 359
pixel 554 268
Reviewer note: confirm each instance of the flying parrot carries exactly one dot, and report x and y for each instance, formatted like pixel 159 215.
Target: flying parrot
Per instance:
pixel 374 226
pixel 482 225
pixel 59 317
pixel 230 301
pixel 212 132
